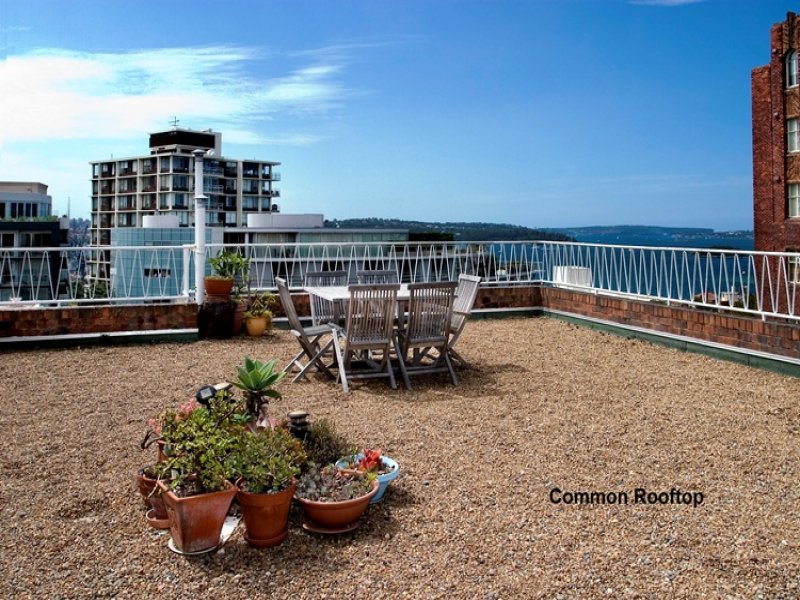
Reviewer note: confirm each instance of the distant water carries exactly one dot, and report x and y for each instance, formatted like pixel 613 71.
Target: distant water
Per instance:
pixel 738 242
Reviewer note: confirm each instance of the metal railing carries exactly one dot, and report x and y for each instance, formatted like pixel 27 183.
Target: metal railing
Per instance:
pixel 765 284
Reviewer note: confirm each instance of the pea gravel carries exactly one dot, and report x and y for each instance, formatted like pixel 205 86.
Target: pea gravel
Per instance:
pixel 546 405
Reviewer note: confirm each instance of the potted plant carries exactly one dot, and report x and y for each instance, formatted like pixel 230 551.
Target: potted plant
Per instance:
pixel 266 463
pixel 334 500
pixel 146 479
pixel 240 297
pixel 256 380
pixel 198 492
pixel 372 461
pixel 324 444
pixel 258 316
pixel 225 266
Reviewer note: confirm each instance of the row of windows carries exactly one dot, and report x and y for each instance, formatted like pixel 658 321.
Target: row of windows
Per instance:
pixel 19 210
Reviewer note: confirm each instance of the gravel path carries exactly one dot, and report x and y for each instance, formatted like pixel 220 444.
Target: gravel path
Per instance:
pixel 547 405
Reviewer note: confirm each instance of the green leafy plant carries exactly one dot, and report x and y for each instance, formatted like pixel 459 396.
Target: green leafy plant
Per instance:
pixel 201 447
pixel 328 484
pixel 227 265
pixel 261 304
pixel 256 380
pixel 267 460
pixel 324 444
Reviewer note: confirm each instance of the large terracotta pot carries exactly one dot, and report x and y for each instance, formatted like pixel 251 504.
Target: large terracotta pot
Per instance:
pixel 266 516
pixel 195 522
pixel 218 288
pixel 152 500
pixel 337 515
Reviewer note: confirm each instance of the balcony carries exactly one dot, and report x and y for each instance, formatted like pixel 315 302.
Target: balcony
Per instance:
pixel 546 406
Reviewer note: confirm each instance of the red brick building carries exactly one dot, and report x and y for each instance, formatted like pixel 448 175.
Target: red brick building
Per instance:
pixel 776 145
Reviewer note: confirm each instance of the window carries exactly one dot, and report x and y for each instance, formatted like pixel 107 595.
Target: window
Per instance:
pixel 793 135
pixel 794 269
pixel 794 200
pixel 791 69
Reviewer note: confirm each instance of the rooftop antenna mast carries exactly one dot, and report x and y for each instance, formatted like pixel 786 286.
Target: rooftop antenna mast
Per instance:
pixel 174 122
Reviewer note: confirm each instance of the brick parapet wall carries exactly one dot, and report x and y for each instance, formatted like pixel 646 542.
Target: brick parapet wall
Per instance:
pixel 709 325
pixel 704 325
pixel 97 319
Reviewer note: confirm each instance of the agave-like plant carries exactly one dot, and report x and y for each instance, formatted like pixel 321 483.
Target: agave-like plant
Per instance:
pixel 256 380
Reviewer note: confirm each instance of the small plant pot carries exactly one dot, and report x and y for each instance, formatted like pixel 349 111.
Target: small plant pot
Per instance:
pixel 151 496
pixel 195 522
pixel 266 516
pixel 337 515
pixel 155 522
pixel 383 480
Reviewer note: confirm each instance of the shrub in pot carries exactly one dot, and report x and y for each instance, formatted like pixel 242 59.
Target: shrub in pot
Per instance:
pixel 198 493
pixel 225 267
pixel 258 316
pixel 266 463
pixel 324 444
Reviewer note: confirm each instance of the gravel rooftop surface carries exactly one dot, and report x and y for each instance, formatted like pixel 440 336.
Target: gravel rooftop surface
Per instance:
pixel 546 404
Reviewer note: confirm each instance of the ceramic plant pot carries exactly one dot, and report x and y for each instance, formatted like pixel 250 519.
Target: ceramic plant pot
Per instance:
pixel 218 288
pixel 337 515
pixel 266 516
pixel 152 500
pixel 196 522
pixel 256 326
pixel 383 480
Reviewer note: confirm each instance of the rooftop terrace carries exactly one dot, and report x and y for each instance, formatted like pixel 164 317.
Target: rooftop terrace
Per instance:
pixel 546 405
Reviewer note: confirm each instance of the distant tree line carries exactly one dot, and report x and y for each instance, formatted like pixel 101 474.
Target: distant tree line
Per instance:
pixel 473 232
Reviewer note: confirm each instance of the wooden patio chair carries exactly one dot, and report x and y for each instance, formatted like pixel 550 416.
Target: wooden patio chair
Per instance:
pixel 430 310
pixel 466 293
pixel 324 311
pixel 377 276
pixel 309 338
pixel 369 333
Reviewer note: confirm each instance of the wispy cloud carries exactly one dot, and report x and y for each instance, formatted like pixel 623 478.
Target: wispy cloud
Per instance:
pixel 668 3
pixel 60 94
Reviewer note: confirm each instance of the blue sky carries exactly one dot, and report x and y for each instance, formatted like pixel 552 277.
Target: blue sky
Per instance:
pixel 543 113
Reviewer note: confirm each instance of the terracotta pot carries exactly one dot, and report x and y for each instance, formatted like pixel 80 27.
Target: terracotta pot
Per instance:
pixel 218 288
pixel 152 499
pixel 337 515
pixel 195 522
pixel 256 326
pixel 266 516
pixel 239 309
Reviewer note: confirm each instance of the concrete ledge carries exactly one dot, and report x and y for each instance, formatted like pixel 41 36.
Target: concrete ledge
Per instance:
pixel 99 339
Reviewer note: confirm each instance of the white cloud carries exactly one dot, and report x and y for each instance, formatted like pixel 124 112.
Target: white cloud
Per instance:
pixel 56 94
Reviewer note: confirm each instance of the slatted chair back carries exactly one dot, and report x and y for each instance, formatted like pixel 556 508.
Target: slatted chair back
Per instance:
pixel 288 306
pixel 430 309
pixel 377 276
pixel 370 316
pixel 324 311
pixel 466 293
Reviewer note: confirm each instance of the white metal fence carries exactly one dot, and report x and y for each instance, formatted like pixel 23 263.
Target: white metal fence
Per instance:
pixel 760 283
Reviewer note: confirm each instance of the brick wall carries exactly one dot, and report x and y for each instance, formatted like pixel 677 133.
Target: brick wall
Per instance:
pixel 97 319
pixel 729 329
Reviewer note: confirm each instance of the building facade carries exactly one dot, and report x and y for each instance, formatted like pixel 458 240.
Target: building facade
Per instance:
pixel 125 190
pixel 776 145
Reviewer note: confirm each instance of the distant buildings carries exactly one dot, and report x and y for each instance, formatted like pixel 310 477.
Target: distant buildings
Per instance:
pixel 26 222
pixel 776 145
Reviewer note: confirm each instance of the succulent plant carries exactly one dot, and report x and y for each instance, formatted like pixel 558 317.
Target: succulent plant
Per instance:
pixel 328 484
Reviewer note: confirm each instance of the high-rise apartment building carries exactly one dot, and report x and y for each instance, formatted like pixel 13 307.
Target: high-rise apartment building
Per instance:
pixel 162 183
pixel 776 145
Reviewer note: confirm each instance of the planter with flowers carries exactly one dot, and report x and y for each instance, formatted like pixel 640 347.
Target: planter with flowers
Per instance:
pixel 334 500
pixel 266 462
pixel 372 461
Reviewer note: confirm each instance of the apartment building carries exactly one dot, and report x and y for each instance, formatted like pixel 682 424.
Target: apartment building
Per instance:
pixel 125 190
pixel 776 145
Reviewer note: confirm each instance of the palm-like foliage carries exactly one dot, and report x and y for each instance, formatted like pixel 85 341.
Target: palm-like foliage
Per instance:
pixel 256 380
